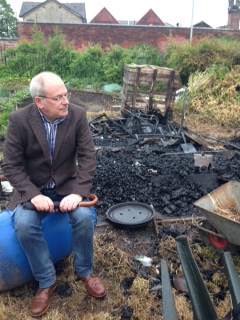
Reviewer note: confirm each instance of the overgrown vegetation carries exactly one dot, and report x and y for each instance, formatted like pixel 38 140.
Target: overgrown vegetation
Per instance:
pixel 188 58
pixel 209 68
pixel 213 99
pixel 9 104
pixel 28 59
pixel 215 94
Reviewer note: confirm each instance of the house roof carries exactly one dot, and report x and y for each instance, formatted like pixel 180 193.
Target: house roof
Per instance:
pixel 76 8
pixel 104 16
pixel 202 24
pixel 150 18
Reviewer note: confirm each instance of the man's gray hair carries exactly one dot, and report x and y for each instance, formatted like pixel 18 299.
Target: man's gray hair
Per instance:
pixel 40 81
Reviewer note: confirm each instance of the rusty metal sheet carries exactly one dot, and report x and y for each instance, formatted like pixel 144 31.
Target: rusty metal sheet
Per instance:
pixel 224 197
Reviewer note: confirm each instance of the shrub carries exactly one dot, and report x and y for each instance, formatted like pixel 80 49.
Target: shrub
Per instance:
pixel 9 105
pixel 188 58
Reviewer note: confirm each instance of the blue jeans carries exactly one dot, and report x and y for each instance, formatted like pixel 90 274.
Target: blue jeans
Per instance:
pixel 28 227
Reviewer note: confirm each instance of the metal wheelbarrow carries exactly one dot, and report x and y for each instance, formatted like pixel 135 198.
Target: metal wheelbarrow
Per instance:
pixel 221 207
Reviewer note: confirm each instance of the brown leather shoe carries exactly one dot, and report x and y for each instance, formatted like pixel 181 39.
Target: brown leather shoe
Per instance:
pixel 41 301
pixel 94 286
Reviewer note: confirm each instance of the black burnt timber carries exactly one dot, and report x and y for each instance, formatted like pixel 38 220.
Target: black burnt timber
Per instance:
pixel 196 138
pixel 120 126
pixel 142 120
pixel 203 140
pixel 156 136
pixel 226 143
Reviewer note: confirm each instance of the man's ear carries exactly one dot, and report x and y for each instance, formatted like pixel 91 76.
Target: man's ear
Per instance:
pixel 38 102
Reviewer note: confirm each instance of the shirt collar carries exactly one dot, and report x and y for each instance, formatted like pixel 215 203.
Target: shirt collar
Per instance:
pixel 53 122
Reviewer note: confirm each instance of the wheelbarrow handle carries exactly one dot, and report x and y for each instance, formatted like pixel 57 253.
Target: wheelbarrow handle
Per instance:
pixel 198 225
pixel 93 200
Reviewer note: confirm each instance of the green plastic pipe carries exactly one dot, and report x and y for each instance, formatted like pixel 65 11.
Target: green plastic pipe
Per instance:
pixel 169 309
pixel 202 305
pixel 232 277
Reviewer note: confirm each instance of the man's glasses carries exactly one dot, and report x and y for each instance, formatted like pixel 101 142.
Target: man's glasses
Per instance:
pixel 59 98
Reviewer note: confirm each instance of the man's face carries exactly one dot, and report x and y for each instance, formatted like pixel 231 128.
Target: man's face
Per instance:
pixel 54 104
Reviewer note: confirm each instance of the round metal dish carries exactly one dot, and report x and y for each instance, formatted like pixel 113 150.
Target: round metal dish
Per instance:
pixel 130 214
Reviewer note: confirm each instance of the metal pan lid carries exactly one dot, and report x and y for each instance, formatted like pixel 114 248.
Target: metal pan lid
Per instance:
pixel 130 214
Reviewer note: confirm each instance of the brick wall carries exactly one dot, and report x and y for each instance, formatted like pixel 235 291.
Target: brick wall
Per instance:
pixel 123 35
pixel 6 43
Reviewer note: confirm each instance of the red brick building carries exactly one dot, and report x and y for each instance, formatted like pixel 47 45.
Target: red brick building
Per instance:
pixel 234 14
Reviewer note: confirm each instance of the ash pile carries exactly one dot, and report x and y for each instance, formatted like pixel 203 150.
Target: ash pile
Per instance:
pixel 148 162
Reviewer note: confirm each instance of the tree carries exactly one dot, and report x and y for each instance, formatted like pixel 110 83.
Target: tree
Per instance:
pixel 8 22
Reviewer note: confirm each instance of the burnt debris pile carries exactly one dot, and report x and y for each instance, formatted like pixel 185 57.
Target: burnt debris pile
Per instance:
pixel 140 159
pixel 154 169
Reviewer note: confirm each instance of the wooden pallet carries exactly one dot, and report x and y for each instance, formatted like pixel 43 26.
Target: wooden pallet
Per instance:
pixel 149 88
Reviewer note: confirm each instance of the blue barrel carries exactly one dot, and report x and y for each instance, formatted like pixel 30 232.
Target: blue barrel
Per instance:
pixel 14 267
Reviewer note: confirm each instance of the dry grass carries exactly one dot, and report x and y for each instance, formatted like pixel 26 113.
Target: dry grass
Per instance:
pixel 114 265
pixel 213 104
pixel 110 113
pixel 114 262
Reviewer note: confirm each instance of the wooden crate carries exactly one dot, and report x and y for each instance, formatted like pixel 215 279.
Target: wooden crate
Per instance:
pixel 149 88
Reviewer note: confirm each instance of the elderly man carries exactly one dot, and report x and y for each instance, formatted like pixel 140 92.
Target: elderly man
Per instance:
pixel 49 156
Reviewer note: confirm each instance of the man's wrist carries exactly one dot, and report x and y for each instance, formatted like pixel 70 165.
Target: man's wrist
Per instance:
pixel 78 195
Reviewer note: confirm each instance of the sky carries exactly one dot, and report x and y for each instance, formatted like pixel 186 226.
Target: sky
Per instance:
pixel 184 12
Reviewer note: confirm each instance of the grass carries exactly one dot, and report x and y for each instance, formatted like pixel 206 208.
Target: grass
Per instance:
pixel 212 104
pixel 114 265
pixel 114 261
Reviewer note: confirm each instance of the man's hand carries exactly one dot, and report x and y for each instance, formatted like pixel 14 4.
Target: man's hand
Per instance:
pixel 70 203
pixel 43 203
